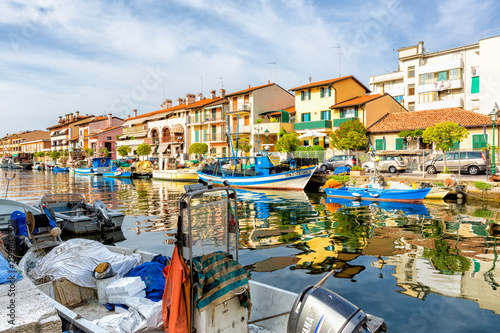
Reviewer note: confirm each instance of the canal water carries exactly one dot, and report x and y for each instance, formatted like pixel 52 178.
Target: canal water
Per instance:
pixel 423 268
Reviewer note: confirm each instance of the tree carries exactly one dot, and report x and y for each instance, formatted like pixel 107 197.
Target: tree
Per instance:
pixel 143 149
pixel 444 135
pixel 288 143
pixel 244 145
pixel 89 152
pixel 198 149
pixel 40 154
pixel 54 155
pixel 410 135
pixel 123 150
pixel 104 151
pixel 349 136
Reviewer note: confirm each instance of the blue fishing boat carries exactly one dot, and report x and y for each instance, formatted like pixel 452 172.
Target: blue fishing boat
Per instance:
pixel 257 172
pixel 117 172
pixel 100 165
pixel 408 209
pixel 60 169
pixel 379 194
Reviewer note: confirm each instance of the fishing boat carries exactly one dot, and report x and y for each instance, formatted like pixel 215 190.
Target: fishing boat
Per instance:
pixel 409 209
pixel 60 169
pixel 78 216
pixel 215 303
pixel 258 172
pixel 168 170
pixel 100 165
pixel 379 194
pixel 38 166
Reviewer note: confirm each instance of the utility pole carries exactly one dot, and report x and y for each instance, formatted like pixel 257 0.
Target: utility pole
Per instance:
pixel 275 64
pixel 221 81
pixel 340 57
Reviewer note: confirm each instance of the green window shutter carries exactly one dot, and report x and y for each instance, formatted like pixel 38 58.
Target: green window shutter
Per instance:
pixel 329 91
pixel 322 92
pixel 302 117
pixel 196 136
pixel 378 144
pixel 478 141
pixel 475 85
pixel 356 112
pixel 302 95
pixel 341 113
pixel 400 143
pixel 456 145
pixel 285 117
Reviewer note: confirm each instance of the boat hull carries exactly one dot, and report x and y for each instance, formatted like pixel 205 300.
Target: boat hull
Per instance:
pixel 396 195
pixel 292 180
pixel 182 175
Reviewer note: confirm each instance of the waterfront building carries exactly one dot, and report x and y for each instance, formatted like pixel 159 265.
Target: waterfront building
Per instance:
pixel 66 129
pixel 246 106
pixel 384 133
pixel 323 106
pixel 273 122
pixel 461 77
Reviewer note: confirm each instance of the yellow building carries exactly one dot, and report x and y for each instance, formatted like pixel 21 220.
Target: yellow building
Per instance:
pixel 313 104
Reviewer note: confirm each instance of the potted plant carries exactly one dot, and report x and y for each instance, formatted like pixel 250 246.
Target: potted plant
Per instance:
pixel 357 171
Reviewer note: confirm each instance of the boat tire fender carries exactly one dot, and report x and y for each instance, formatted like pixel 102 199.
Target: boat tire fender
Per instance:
pixel 293 164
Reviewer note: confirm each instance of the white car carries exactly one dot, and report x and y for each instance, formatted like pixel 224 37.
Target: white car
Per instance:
pixel 392 164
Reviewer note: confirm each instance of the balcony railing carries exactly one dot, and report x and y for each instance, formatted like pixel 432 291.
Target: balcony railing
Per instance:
pixel 173 138
pixel 306 125
pixel 217 137
pixel 338 122
pixel 243 129
pixel 134 129
pixel 201 119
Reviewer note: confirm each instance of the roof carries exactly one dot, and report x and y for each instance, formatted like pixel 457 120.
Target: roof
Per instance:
pixel 102 131
pixel 250 89
pixel 290 109
pixel 357 101
pixel 396 122
pixel 65 124
pixel 329 82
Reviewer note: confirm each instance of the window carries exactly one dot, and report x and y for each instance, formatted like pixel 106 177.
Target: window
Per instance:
pixel 442 76
pixel 411 106
pixel 235 103
pixel 349 113
pixel 400 144
pixel 426 78
pixel 475 85
pixel 411 89
pixel 305 95
pixel 479 141
pixel 325 92
pixel 380 144
pixel 224 152
pixel 398 99
pixel 305 117
pixel 411 71
pixel 455 74
pixel 326 115
pixel 109 138
pixel 196 136
pixel 327 142
pixel 428 97
pixel 246 99
pixel 315 141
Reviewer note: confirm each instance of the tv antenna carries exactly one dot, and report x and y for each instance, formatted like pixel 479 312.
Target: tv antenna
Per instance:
pixel 340 57
pixel 221 81
pixel 275 65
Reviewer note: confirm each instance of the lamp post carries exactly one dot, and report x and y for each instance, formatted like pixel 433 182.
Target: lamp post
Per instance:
pixel 266 132
pixel 493 117
pixel 258 138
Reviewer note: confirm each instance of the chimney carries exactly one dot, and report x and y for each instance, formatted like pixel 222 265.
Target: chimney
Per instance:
pixel 180 101
pixel 77 114
pixel 167 104
pixel 212 94
pixel 60 119
pixel 190 98
pixel 135 113
pixel 222 93
pixel 420 47
pixel 268 81
pixel 249 86
pixel 200 96
pixel 109 120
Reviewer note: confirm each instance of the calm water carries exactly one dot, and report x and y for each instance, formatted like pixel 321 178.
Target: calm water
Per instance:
pixel 423 268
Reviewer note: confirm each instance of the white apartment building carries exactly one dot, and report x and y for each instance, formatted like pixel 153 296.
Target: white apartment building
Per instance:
pixel 467 77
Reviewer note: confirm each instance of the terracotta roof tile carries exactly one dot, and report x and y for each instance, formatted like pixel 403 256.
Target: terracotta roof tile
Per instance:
pixel 395 122
pixel 328 82
pixel 357 101
pixel 249 89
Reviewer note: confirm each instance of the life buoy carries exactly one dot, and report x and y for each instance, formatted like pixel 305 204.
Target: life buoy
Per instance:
pixel 293 164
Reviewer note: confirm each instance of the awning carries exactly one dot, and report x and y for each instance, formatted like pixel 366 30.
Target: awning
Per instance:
pixel 135 121
pixel 162 148
pixel 63 131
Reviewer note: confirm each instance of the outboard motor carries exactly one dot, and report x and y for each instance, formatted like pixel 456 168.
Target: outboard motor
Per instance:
pixel 103 218
pixel 318 309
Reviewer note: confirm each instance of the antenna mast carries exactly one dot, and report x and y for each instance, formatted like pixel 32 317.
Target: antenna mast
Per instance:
pixel 221 81
pixel 275 64
pixel 340 57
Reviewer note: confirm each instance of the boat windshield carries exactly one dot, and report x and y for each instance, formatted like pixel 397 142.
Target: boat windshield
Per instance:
pixel 61 198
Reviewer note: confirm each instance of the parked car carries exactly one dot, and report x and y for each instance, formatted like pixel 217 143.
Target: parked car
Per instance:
pixel 337 161
pixel 472 162
pixel 392 164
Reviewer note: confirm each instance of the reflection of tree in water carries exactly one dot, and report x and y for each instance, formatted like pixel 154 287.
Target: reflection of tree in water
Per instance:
pixel 488 276
pixel 352 230
pixel 443 257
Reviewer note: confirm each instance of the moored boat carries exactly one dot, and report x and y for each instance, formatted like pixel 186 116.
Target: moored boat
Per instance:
pixel 379 194
pixel 100 165
pixel 78 216
pixel 60 169
pixel 256 172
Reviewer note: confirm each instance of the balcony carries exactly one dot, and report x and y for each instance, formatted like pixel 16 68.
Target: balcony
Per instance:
pixel 394 76
pixel 217 137
pixel 446 103
pixel 173 138
pixel 440 86
pixel 241 108
pixel 242 129
pixel 318 124
pixel 338 122
pixel 275 127
pixel 134 129
pixel 441 66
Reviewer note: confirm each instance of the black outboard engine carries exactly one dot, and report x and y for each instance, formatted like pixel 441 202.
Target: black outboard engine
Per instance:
pixel 318 309
pixel 103 218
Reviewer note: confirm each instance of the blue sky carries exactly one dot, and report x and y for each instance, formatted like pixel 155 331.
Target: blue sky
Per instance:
pixel 100 57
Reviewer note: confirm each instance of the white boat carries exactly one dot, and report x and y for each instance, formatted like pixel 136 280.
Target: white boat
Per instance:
pixel 224 308
pixel 7 207
pixel 78 216
pixel 257 172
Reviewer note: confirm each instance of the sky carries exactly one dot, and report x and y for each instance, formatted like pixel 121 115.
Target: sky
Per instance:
pixel 112 56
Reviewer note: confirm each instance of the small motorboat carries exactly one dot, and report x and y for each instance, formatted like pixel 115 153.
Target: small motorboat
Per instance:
pixel 215 303
pixel 78 216
pixel 100 165
pixel 60 169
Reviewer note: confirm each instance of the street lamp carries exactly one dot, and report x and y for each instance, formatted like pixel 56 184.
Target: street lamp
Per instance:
pixel 493 116
pixel 258 138
pixel 266 132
